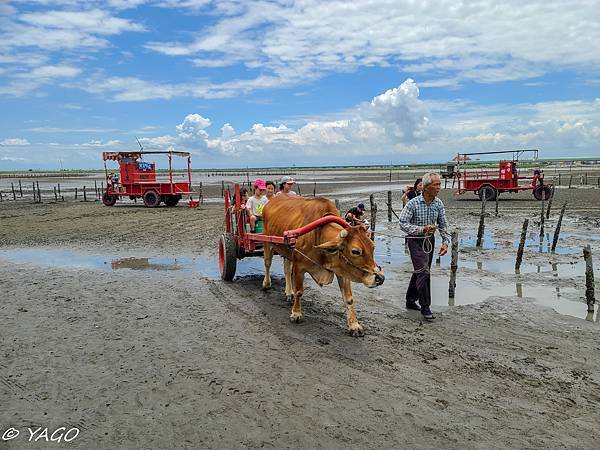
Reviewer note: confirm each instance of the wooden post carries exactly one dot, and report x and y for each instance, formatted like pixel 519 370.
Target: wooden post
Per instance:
pixel 12 186
pixel 84 194
pixel 453 265
pixel 55 194
pixel 34 193
pixel 39 191
pixel 315 189
pixel 373 216
pixel 559 179
pixel 550 203
pixel 223 188
pixel 521 245
pixel 497 195
pixel 589 278
pixel 557 229
pixel 389 205
pixel 0 196
pixel 59 189
pixel 481 229
pixel 96 189
pixel 75 193
pixel 570 181
pixel 20 189
pixel 542 217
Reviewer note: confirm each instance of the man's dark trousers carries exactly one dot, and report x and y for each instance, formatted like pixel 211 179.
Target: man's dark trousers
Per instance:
pixel 419 288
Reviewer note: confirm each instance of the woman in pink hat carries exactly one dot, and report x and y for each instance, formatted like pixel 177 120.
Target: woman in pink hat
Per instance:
pixel 256 203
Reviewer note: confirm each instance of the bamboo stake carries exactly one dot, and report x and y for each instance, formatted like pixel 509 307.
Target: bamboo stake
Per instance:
pixel 481 229
pixel 389 205
pixel 521 245
pixel 558 225
pixel 589 278
pixel 12 186
pixel 373 215
pixel 453 265
pixel 550 204
pixel 542 217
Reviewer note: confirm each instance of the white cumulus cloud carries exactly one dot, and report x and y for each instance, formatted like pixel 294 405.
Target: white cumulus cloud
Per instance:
pixel 14 142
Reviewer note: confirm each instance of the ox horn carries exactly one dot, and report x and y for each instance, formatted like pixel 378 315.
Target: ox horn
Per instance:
pixel 343 233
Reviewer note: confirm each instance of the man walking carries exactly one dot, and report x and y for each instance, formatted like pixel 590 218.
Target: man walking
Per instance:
pixel 419 219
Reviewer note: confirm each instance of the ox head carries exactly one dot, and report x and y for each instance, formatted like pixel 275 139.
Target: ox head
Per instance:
pixel 350 255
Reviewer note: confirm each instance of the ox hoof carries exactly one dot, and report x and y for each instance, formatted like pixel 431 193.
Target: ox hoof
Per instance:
pixel 289 298
pixel 296 317
pixel 356 330
pixel 266 285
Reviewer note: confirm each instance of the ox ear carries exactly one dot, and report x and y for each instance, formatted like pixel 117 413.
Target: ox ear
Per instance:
pixel 331 247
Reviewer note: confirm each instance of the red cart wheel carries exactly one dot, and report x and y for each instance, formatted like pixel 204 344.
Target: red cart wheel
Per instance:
pixel 109 200
pixel 227 257
pixel 151 198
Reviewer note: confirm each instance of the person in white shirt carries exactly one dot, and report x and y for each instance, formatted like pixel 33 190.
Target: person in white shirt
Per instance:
pixel 285 186
pixel 256 203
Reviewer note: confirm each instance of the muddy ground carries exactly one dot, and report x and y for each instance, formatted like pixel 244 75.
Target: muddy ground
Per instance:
pixel 177 358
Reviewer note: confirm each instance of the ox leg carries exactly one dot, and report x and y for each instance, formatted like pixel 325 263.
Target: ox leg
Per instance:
pixel 268 259
pixel 354 327
pixel 287 268
pixel 298 287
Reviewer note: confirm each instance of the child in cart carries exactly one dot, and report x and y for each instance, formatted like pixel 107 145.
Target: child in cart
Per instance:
pixel 255 205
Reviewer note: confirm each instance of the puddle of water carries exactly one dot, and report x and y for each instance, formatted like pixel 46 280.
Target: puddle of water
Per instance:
pixel 207 266
pixel 566 301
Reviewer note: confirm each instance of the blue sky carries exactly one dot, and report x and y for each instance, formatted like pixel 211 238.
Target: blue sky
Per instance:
pixel 255 83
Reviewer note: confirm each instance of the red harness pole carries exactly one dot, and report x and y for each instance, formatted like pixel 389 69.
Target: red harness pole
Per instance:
pixel 290 236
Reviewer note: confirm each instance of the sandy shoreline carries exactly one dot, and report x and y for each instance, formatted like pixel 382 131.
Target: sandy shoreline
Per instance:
pixel 157 358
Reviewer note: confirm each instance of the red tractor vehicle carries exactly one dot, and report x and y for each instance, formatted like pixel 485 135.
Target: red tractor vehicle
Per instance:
pixel 488 184
pixel 137 179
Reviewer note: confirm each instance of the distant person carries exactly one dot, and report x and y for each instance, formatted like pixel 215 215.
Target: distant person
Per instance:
pixel 271 188
pixel 285 186
pixel 256 203
pixel 114 179
pixel 412 193
pixel 419 219
pixel 356 215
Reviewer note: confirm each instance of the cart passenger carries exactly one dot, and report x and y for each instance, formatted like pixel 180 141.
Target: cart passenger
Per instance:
pixel 256 203
pixel 244 195
pixel 271 188
pixel 285 186
pixel 114 180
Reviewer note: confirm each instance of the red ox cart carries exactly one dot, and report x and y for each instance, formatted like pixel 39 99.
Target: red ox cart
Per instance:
pixel 137 179
pixel 488 184
pixel 237 242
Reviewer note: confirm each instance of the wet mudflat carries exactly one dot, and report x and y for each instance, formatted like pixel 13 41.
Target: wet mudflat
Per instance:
pixel 117 324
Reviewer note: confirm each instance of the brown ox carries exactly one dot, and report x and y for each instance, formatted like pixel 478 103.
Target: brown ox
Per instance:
pixel 327 251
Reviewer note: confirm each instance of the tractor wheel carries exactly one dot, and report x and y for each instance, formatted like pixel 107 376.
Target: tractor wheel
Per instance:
pixel 171 200
pixel 543 191
pixel 488 193
pixel 151 198
pixel 227 256
pixel 109 200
